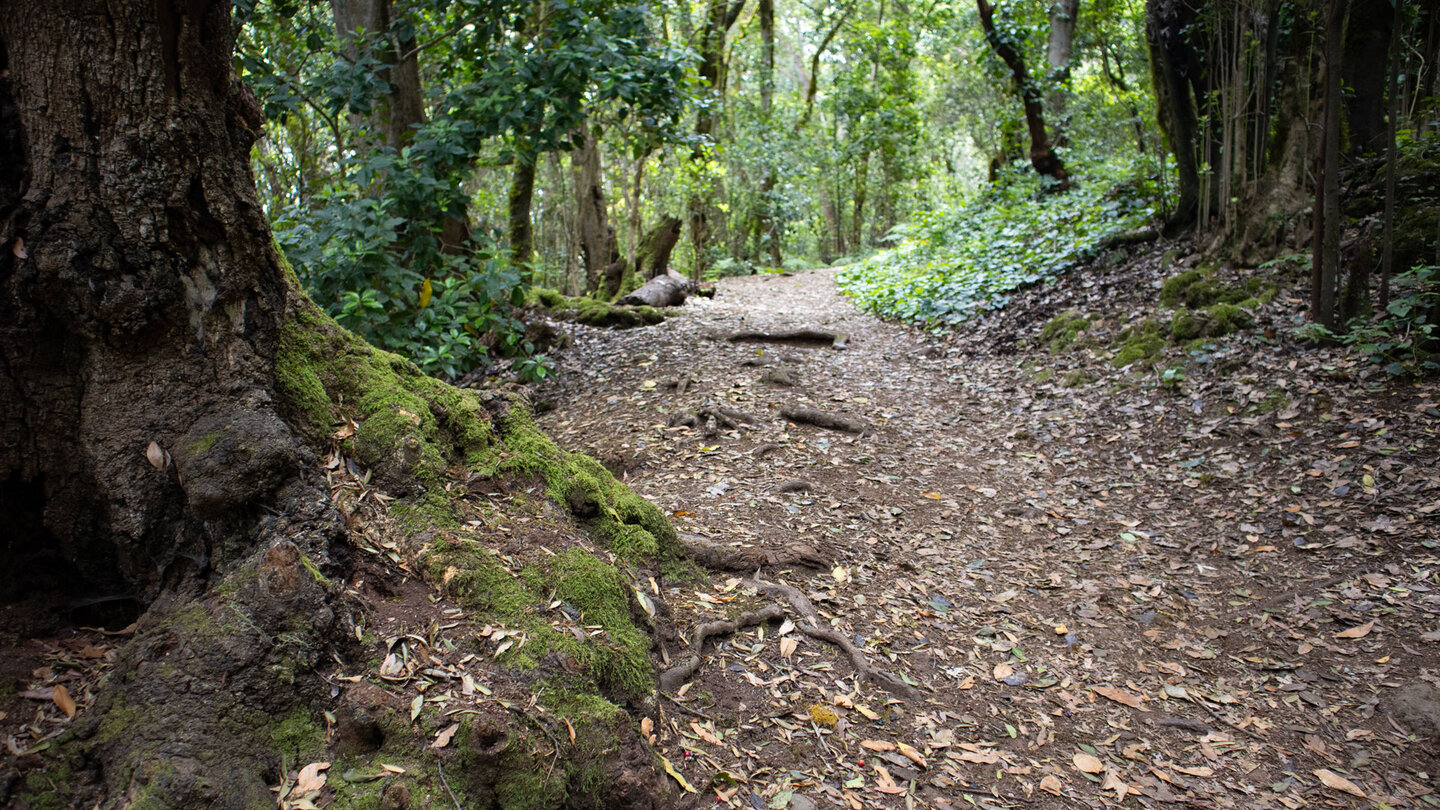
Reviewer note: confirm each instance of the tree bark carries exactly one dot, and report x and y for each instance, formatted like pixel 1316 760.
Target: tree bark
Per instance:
pixel 599 247
pixel 652 257
pixel 766 218
pixel 1366 56
pixel 1042 155
pixel 521 229
pixel 1167 23
pixel 1325 263
pixel 397 113
pixel 719 17
pixel 1064 14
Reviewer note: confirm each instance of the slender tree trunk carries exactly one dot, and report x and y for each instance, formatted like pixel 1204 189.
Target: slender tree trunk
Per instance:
pixel 1042 155
pixel 1064 14
pixel 632 230
pixel 1326 261
pixel 769 234
pixel 1392 91
pixel 1167 26
pixel 521 198
pixel 857 220
pixel 720 16
pixel 599 250
pixel 397 113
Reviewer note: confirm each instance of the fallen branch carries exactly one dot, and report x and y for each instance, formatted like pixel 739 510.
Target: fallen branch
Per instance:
pixel 822 419
pixel 810 625
pixel 794 337
pixel 672 678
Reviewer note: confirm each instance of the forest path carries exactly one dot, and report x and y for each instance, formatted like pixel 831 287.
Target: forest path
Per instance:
pixel 1095 588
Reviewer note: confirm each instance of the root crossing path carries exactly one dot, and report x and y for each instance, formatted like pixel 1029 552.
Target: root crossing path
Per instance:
pixel 1085 614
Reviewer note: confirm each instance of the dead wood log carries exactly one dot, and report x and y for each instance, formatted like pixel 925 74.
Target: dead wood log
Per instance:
pixel 672 678
pixel 811 626
pixel 669 290
pixel 792 337
pixel 829 421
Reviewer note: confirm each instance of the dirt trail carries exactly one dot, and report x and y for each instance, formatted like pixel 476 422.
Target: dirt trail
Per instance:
pixel 1104 593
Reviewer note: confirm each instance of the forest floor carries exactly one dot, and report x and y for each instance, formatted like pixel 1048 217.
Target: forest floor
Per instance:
pixel 1222 593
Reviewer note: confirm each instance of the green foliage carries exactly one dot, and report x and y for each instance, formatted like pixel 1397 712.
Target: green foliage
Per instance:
pixel 956 263
pixel 1405 338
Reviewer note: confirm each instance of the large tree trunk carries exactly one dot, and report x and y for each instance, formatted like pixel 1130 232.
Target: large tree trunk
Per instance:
pixel 141 316
pixel 1367 46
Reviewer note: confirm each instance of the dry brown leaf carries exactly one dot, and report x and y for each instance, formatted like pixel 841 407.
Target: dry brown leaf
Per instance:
pixel 978 757
pixel 1203 770
pixel 18 249
pixel 62 698
pixel 1357 632
pixel 787 647
pixel 912 755
pixel 1335 781
pixel 1002 671
pixel 885 783
pixel 704 733
pixel 647 728
pixel 877 745
pixel 1115 783
pixel 443 738
pixel 311 777
pixel 1051 784
pixel 155 456
pixel 1118 695
pixel 1087 763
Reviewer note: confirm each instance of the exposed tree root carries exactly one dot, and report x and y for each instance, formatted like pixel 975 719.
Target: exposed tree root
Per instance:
pixel 711 418
pixel 748 560
pixel 812 627
pixel 794 485
pixel 829 421
pixel 793 337
pixel 780 376
pixel 672 678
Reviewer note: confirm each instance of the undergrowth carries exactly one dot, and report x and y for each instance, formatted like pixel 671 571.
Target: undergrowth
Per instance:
pixel 952 264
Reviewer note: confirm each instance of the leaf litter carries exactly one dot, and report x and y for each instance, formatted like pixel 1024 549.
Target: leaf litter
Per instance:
pixel 1104 594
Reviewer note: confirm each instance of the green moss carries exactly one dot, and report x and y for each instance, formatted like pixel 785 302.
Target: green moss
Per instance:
pixel 1222 319
pixel 1063 330
pixel 1076 379
pixel 1185 326
pixel 595 312
pixel 617 659
pixel 1044 375
pixel 432 510
pixel 297 734
pixel 588 490
pixel 1139 343
pixel 204 443
pixel 1172 291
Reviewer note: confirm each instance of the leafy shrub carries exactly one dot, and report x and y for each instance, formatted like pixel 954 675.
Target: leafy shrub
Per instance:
pixel 952 264
pixel 1406 336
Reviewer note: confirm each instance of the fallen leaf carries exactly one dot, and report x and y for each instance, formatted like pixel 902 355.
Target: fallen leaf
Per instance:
pixel 1357 632
pixel 787 647
pixel 1002 671
pixel 1118 695
pixel 415 706
pixel 62 698
pixel 310 778
pixel 674 774
pixel 1203 770
pixel 1335 781
pixel 392 768
pixel 443 738
pixel 885 783
pixel 1115 783
pixel 978 757
pixel 912 755
pixel 647 728
pixel 704 733
pixel 155 456
pixel 19 249
pixel 1050 784
pixel 1087 763
pixel 840 573
pixel 877 745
